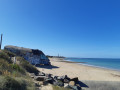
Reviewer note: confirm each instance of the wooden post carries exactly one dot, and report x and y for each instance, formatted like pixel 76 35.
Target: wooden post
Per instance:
pixel 1 41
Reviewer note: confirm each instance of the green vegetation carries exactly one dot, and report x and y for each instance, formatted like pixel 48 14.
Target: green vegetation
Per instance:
pixel 15 76
pixel 27 66
pixel 12 84
pixel 4 56
pixel 59 88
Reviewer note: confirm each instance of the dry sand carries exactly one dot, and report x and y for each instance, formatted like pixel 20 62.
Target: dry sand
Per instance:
pixel 60 67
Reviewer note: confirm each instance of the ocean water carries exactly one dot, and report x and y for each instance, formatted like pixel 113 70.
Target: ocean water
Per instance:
pixel 98 62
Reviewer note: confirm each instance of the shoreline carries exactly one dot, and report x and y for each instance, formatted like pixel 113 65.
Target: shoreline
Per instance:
pixel 100 67
pixel 62 67
pixel 85 63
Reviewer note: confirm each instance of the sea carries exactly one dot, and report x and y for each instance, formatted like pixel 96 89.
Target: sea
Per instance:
pixel 108 63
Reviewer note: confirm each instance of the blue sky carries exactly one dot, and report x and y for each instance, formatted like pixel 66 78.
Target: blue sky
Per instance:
pixel 72 28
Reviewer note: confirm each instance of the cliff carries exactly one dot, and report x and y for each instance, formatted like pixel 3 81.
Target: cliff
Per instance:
pixel 34 56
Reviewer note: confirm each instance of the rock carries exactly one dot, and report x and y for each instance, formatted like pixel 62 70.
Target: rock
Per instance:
pixel 32 75
pixel 55 83
pixel 66 81
pixel 75 79
pixel 48 75
pixel 58 83
pixel 45 82
pixel 74 88
pixel 59 78
pixel 78 86
pixel 66 85
pixel 40 78
pixel 66 77
pixel 41 74
pixel 72 83
pixel 55 78
pixel 50 80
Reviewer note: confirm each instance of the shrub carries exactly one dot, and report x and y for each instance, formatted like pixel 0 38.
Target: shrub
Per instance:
pixel 26 65
pixel 18 69
pixel 19 83
pixel 15 67
pixel 5 67
pixel 10 69
pixel 4 56
pixel 11 75
pixel 59 88
pixel 12 84
pixel 30 85
pixel 29 67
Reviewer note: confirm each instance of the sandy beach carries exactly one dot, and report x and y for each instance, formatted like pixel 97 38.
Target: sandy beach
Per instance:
pixel 60 67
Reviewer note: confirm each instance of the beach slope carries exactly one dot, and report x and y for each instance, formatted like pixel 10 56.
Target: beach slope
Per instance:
pixel 60 67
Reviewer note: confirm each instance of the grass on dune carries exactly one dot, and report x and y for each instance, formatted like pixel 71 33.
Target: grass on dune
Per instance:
pixel 15 76
pixel 59 88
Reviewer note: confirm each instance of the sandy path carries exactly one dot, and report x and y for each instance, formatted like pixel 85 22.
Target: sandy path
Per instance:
pixel 81 71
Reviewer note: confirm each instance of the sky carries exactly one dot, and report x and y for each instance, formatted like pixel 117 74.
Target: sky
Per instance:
pixel 72 28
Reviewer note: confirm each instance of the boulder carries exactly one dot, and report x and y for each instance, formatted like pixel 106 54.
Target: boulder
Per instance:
pixel 66 85
pixel 78 86
pixel 66 77
pixel 74 88
pixel 45 83
pixel 50 80
pixel 75 79
pixel 72 83
pixel 55 78
pixel 66 81
pixel 55 83
pixel 41 74
pixel 58 83
pixel 48 75
pixel 59 77
pixel 40 78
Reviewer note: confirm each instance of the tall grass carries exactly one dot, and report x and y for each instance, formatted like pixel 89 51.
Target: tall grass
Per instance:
pixel 6 64
pixel 60 88
pixel 28 67
pixel 4 56
pixel 14 76
pixel 11 83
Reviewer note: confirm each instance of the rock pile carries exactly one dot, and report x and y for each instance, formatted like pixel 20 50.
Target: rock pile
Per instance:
pixel 62 81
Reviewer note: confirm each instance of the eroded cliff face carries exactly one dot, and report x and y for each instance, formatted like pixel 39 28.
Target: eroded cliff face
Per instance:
pixel 34 56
